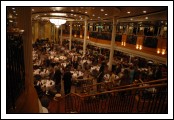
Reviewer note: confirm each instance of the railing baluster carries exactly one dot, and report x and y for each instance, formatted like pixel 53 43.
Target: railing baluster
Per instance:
pixel 124 100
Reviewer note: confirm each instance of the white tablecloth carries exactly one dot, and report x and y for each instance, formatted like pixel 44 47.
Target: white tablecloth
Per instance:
pixel 38 63
pixel 62 58
pixel 88 61
pixel 36 72
pixel 53 53
pixel 94 68
pixel 76 74
pixel 64 64
pixel 56 59
pixel 49 84
pixel 107 77
pixel 51 57
pixel 44 73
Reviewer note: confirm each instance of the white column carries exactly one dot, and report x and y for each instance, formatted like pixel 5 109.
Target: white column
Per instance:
pixel 127 29
pixel 158 31
pixel 137 30
pixel 112 44
pixel 61 36
pixel 100 50
pixel 70 38
pixel 85 33
pixel 162 30
pixel 130 56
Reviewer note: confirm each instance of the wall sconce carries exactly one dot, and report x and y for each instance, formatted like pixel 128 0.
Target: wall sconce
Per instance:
pixel 158 51
pixel 88 37
pixel 123 43
pixel 80 36
pixel 163 51
pixel 75 35
pixel 139 47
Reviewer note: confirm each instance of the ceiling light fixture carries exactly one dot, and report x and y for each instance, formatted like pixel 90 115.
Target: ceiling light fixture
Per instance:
pixel 144 11
pixel 128 12
pixel 58 14
pixel 146 18
pixel 102 10
pixel 58 22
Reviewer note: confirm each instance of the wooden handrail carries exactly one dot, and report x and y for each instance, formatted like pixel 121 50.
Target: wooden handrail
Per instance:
pixel 83 79
pixel 120 90
pixel 154 81
pixel 128 86
pixel 79 103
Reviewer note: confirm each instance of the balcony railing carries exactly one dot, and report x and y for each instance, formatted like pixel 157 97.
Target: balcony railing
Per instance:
pixel 130 99
pixel 150 42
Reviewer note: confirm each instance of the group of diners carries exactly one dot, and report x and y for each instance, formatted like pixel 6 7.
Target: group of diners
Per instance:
pixel 53 63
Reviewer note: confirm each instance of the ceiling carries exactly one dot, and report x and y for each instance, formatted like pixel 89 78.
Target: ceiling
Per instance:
pixel 98 14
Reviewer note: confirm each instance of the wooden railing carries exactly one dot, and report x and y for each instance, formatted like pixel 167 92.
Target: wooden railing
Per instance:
pixel 15 69
pixel 134 99
pixel 80 83
pixel 107 86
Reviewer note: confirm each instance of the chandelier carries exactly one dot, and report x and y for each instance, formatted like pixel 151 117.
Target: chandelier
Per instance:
pixel 58 22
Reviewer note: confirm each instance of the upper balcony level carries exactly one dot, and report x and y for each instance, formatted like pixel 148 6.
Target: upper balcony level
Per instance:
pixel 149 47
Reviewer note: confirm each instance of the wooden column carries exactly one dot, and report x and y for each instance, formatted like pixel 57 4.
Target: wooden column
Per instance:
pixel 28 100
